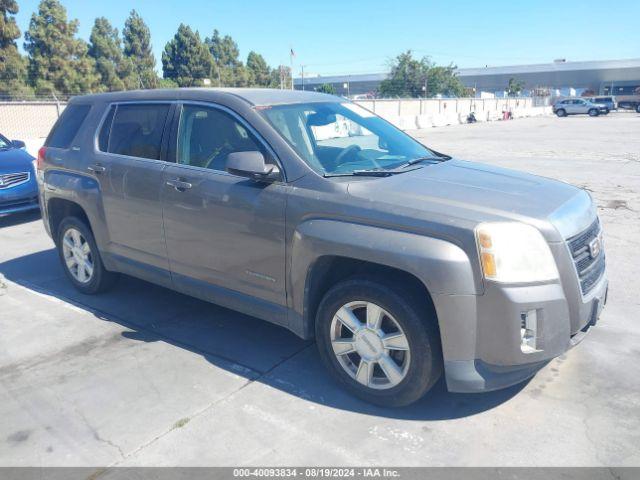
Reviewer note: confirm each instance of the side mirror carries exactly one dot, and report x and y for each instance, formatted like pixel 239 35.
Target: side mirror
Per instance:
pixel 252 165
pixel 18 144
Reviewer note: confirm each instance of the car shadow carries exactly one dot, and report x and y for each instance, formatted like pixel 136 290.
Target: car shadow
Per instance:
pixel 246 346
pixel 14 219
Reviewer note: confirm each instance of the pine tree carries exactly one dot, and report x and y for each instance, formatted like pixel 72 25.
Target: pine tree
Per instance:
pixel 58 61
pixel 326 88
pixel 13 71
pixel 116 71
pixel 137 47
pixel 186 59
pixel 230 70
pixel 258 70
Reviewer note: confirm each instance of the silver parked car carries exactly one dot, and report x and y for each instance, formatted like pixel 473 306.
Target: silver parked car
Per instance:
pixel 574 106
pixel 311 212
pixel 609 102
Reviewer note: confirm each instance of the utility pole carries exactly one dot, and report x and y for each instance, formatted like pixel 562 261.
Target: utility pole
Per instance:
pixel 302 75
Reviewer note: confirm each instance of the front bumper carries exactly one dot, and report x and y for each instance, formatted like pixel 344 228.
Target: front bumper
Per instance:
pixel 483 351
pixel 22 198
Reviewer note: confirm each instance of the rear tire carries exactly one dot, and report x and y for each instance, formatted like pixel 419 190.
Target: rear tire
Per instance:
pixel 391 363
pixel 561 112
pixel 80 258
pixel 638 108
pixel 594 112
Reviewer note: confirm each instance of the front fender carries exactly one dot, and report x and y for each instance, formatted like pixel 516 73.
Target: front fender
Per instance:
pixel 443 267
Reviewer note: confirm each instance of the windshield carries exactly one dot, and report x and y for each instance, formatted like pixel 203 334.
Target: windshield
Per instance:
pixel 4 143
pixel 342 138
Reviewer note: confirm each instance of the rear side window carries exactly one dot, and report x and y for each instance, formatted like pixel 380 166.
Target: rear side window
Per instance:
pixel 134 130
pixel 67 126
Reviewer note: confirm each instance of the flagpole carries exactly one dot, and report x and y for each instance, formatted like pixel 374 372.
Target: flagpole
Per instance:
pixel 291 54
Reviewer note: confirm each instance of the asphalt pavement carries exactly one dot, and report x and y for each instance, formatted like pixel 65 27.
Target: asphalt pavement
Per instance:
pixel 146 376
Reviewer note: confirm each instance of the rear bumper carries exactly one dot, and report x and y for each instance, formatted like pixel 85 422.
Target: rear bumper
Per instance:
pixel 492 346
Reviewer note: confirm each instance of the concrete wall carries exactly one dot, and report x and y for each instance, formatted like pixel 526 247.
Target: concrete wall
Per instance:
pixel 31 121
pixel 424 113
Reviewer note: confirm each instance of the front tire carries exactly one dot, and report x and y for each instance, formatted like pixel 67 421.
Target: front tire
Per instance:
pixel 80 258
pixel 594 112
pixel 381 344
pixel 638 108
pixel 561 112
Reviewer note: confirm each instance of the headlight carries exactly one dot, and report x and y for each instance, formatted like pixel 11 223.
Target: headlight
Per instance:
pixel 514 253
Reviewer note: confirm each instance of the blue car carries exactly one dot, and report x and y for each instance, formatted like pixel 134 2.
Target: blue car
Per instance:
pixel 18 186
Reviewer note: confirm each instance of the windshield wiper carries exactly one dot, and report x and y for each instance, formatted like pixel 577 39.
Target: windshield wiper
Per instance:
pixel 362 173
pixel 439 158
pixel 415 161
pixel 385 172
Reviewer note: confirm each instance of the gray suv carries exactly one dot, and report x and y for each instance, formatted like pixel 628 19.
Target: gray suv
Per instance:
pixel 310 212
pixel 574 106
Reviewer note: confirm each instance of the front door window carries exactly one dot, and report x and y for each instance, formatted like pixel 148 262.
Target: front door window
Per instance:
pixel 208 135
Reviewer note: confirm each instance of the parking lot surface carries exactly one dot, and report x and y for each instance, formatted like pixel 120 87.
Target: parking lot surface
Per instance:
pixel 146 376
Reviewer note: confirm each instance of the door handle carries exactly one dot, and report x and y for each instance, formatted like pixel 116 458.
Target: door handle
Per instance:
pixel 96 168
pixel 179 185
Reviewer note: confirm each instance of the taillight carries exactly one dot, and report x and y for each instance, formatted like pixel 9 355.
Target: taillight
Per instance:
pixel 41 153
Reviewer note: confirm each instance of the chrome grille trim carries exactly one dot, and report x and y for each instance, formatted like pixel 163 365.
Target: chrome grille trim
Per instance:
pixel 9 180
pixel 588 269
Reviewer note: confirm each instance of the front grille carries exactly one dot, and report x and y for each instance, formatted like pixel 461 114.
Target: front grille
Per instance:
pixel 8 180
pixel 589 265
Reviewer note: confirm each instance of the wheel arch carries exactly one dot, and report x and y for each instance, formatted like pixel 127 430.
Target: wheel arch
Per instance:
pixel 60 208
pixel 331 269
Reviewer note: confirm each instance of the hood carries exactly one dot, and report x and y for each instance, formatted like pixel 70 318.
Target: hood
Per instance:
pixel 15 160
pixel 474 193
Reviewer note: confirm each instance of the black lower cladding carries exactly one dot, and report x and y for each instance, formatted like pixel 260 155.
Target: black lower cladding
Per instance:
pixel 590 264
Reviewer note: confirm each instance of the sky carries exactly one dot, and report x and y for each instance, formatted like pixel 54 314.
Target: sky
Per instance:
pixel 354 36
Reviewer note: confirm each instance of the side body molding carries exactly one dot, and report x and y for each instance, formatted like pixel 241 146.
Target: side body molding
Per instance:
pixel 443 267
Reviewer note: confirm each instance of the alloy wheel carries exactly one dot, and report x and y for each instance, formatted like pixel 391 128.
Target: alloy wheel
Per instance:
pixel 77 255
pixel 370 345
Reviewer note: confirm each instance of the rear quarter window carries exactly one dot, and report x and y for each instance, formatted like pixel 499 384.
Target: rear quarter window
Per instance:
pixel 67 126
pixel 105 131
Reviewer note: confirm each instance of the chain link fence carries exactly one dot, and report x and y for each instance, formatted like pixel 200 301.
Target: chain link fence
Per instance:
pixel 29 117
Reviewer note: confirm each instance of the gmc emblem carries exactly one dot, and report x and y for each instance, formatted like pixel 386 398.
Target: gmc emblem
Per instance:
pixel 595 247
